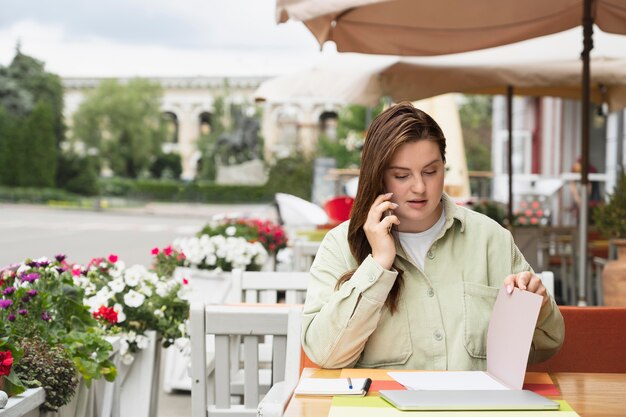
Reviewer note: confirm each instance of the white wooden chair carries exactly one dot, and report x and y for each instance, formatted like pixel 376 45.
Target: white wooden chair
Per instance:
pixel 304 252
pixel 265 287
pixel 207 288
pixel 227 324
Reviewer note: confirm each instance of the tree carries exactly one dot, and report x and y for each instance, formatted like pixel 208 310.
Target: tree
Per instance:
pixel 352 124
pixel 475 116
pixel 31 123
pixel 123 122
pixel 38 147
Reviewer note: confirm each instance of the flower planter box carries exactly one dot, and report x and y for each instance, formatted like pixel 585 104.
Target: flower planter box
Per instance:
pixel 138 381
pixel 26 404
pixel 207 287
pixel 99 400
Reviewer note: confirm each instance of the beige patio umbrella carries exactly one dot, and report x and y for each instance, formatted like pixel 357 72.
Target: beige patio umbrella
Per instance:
pixel 362 79
pixel 424 27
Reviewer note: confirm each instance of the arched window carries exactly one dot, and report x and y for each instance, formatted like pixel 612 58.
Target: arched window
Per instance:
pixel 205 120
pixel 171 127
pixel 328 124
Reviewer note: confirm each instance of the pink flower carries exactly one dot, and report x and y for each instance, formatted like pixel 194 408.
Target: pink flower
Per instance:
pixel 185 281
pixel 154 251
pixel 167 251
pixel 112 258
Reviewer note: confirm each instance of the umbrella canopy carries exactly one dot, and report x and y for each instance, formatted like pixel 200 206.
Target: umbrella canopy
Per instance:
pixel 426 27
pixel 363 80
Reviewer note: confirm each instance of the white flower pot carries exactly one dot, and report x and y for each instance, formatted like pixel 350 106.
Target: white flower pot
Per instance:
pixel 139 381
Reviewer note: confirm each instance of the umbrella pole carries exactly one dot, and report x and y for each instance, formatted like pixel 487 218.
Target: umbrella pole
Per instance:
pixel 509 113
pixel 584 179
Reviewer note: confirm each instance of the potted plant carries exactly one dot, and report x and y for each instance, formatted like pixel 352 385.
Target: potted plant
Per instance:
pixel 145 309
pixel 610 220
pixel 41 309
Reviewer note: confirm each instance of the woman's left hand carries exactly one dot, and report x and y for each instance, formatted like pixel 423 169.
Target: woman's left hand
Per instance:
pixel 526 281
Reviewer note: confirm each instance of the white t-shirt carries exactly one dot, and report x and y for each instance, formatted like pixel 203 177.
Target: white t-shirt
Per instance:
pixel 416 245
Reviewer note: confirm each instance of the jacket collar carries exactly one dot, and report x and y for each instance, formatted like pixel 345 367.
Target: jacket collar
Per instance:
pixel 452 212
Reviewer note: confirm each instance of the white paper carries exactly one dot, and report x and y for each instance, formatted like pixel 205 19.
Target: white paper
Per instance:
pixel 450 380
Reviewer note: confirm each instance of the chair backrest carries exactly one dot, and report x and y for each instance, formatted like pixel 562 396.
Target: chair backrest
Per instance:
pixel 339 208
pixel 264 287
pixel 304 251
pixel 595 341
pixel 250 322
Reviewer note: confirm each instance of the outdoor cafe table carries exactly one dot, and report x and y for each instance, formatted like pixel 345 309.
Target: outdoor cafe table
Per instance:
pixel 589 394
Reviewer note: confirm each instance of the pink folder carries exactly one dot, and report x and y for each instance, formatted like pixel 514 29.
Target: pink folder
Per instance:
pixel 510 335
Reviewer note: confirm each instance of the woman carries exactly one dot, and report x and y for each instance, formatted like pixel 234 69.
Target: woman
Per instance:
pixel 410 280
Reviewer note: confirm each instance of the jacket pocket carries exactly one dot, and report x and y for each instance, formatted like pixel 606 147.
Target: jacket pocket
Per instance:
pixel 390 344
pixel 478 302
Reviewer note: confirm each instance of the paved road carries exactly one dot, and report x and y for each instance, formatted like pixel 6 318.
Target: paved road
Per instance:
pixel 35 231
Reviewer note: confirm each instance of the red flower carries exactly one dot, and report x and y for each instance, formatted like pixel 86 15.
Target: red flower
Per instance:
pixel 112 258
pixel 154 251
pixel 167 251
pixel 6 361
pixel 185 281
pixel 106 313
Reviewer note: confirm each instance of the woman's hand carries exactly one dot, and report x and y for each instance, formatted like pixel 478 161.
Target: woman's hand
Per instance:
pixel 377 228
pixel 526 281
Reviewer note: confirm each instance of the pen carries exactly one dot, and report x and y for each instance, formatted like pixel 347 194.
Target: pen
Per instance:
pixel 350 383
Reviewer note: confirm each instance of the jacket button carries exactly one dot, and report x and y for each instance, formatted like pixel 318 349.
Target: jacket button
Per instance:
pixel 430 292
pixel 372 279
pixel 438 335
pixel 430 254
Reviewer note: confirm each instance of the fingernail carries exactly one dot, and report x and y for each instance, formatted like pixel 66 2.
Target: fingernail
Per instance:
pixel 388 194
pixel 394 205
pixel 509 288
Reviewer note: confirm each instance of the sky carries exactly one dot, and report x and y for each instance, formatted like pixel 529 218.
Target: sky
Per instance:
pixel 82 38
pixel 125 38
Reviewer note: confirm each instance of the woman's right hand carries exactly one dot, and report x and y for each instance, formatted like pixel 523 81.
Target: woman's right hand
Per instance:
pixel 377 228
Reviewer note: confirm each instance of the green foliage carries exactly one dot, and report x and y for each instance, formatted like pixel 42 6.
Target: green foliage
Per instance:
pixel 610 218
pixel 166 166
pixel 345 156
pixel 31 123
pixel 39 149
pixel 292 175
pixel 207 169
pixel 50 367
pixel 170 190
pixel 13 384
pixel 123 121
pixel 35 195
pixel 40 299
pixel 491 209
pixel 78 174
pixel 10 148
pixel 45 87
pixel 475 116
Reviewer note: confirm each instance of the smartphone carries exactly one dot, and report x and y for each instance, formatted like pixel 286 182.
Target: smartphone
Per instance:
pixel 389 213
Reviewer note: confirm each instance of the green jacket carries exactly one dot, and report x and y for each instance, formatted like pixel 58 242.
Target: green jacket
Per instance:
pixel 443 312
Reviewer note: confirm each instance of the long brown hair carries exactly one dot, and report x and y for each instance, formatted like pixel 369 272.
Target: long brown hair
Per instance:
pixel 400 124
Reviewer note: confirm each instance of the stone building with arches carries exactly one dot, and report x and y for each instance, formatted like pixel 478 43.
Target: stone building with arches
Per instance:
pixel 188 106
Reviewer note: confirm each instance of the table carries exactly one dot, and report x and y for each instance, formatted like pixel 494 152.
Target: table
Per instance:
pixel 589 394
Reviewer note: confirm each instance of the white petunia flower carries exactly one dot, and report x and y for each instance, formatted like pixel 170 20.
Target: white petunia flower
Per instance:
pixel 142 341
pixel 117 285
pixel 134 299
